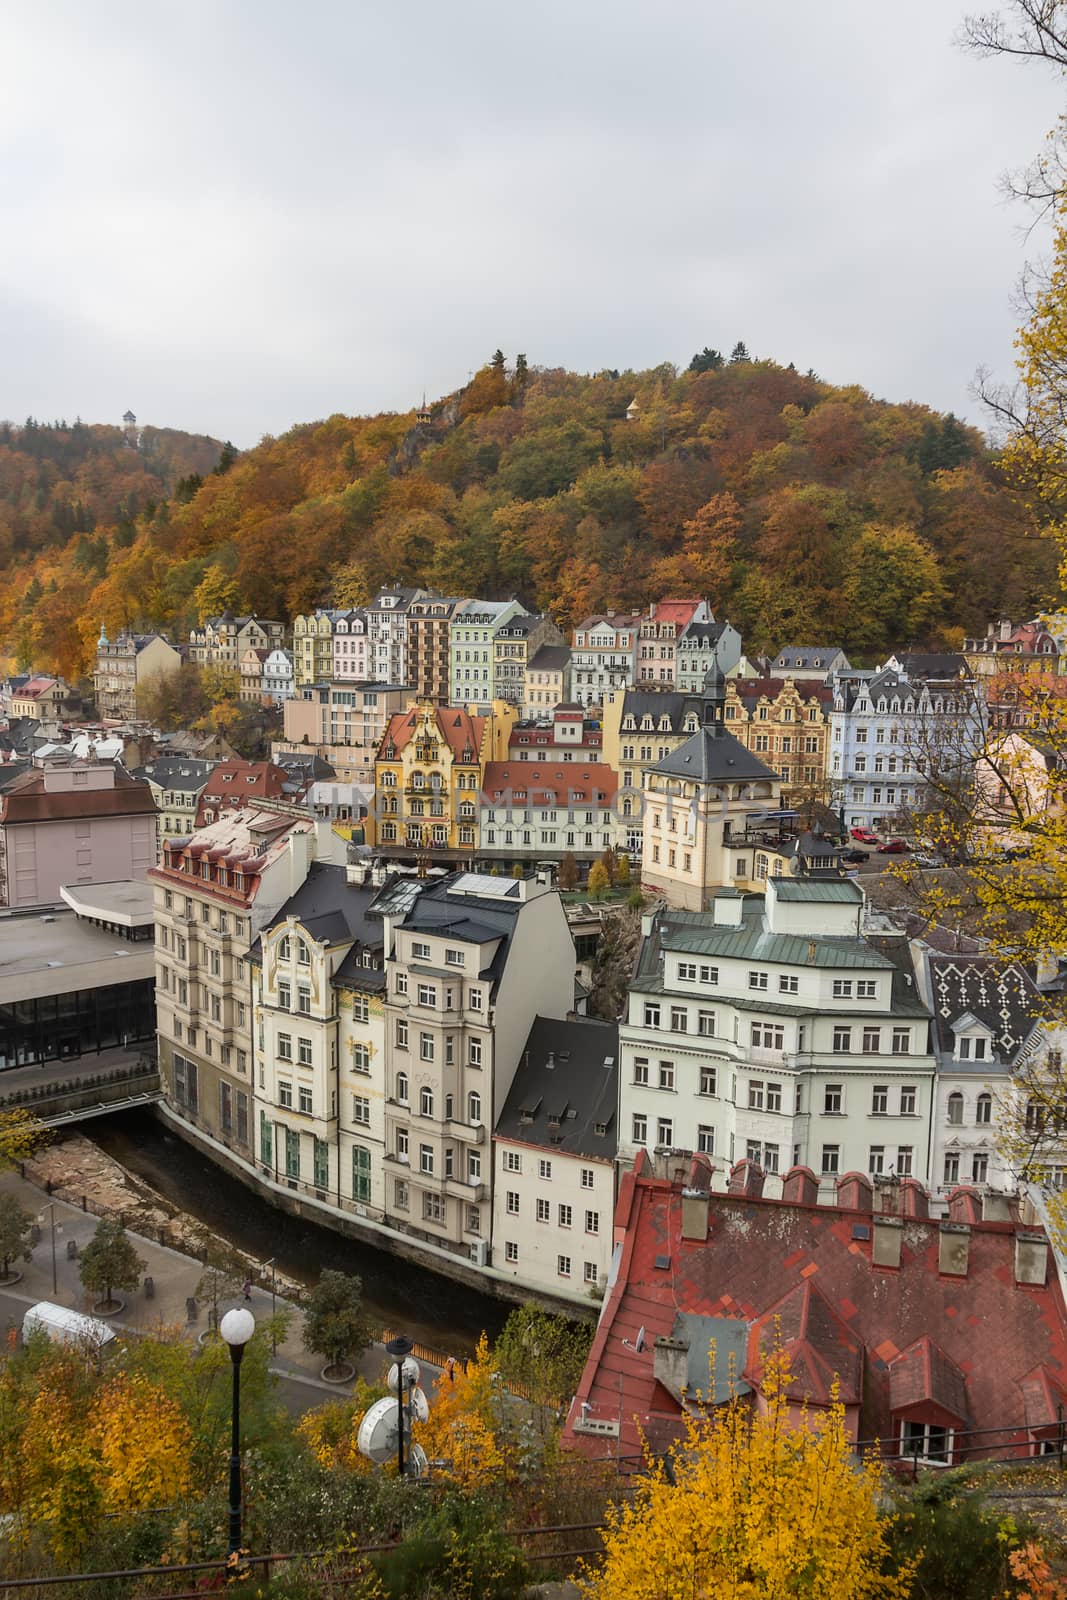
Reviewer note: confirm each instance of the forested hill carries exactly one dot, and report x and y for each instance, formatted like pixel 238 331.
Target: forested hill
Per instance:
pixel 804 511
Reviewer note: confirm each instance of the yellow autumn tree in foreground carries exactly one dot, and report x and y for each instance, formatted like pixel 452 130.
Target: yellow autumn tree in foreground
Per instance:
pixel 762 1506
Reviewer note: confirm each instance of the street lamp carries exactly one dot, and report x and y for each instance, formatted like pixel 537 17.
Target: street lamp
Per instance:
pixel 236 1327
pixel 399 1348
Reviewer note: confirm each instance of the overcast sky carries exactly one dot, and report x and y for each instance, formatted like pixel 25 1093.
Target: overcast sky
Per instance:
pixel 237 216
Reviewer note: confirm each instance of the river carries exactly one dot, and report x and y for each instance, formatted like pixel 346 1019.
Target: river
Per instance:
pixel 397 1293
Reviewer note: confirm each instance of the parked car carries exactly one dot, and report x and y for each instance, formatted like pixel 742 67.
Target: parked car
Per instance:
pixel 864 836
pixel 924 858
pixel 855 857
pixel 893 847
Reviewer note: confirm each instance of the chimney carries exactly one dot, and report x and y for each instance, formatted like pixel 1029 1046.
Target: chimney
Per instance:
pixel 854 1192
pixel 670 1365
pixel 1005 627
pixel 1031 1259
pixel 696 1204
pixel 800 1187
pixel 746 1178
pixel 888 1239
pixel 954 1248
pixel 914 1200
pixel 964 1205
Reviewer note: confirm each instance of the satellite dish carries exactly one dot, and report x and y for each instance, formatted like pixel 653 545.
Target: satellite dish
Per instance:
pixel 418 1462
pixel 412 1373
pixel 419 1407
pixel 377 1438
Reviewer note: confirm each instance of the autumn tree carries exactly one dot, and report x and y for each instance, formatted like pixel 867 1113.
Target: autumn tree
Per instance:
pixel 15 1227
pixel 771 1505
pixel 598 882
pixel 567 876
pixel 542 1355
pixel 467 1422
pixel 109 1262
pixel 20 1135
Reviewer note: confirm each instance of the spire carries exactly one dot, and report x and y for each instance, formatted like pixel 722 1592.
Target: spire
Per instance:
pixel 714 696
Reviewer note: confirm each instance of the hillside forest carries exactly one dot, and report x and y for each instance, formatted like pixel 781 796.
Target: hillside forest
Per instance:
pixel 804 511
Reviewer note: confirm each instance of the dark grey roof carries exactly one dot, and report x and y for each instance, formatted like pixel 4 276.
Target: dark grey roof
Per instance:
pixel 713 756
pixel 1002 997
pixel 702 633
pixel 551 658
pixel 177 772
pixel 332 910
pixel 314 768
pixel 560 1106
pixel 939 667
pixel 808 656
pixel 471 918
pixel 10 770
pixel 672 704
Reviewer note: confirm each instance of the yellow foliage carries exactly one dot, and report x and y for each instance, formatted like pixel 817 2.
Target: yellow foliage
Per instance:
pixel 762 1508
pixel 330 1431
pixel 20 1135
pixel 143 1443
pixel 465 1422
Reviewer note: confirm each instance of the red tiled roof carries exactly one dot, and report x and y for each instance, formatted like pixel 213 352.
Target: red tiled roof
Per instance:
pixel 759 1253
pixel 679 611
pixel 771 688
pixel 234 782
pixel 819 1345
pixel 546 784
pixel 27 800
pixel 1044 1400
pixel 456 726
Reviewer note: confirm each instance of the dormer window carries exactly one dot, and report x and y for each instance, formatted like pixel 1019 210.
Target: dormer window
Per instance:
pixel 973 1047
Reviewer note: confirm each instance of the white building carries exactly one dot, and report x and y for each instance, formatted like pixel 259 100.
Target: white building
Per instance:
pixel 604 656
pixel 472 648
pixel 351 647
pixel 809 663
pixel 889 728
pixel 277 679
pixel 554 1160
pixel 387 634
pixel 770 1028
pixel 529 812
pixel 702 647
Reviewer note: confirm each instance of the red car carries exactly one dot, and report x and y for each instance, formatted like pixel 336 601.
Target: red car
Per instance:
pixel 864 835
pixel 893 847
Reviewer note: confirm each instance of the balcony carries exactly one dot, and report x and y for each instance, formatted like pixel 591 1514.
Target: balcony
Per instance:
pixel 467 1132
pixel 471 1193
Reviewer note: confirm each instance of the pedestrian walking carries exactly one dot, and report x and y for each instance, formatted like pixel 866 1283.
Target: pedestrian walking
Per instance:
pixel 450 1368
pixel 247 1289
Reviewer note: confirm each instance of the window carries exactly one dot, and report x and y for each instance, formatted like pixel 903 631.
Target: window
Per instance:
pixel 420 951
pixel 476 999
pixel 426 1159
pixel 972 1049
pixel 904 1156
pixel 641 1070
pixel 755 1094
pixel 901 1041
pixel 426 1102
pixel 303 954
pixel 360 1174
pixel 983 1110
pixel 285 996
pixel 285 1046
pixel 928 1440
pixel 951 1172
pixel 512 1202
pixel 665 1132
pixel 425 1046
pixel 842 1039
pixel 544 1210
pixel 872 1041
pixel 757 980
pixel 955 1109
pixel 679 1019
pixel 401 983
pixel 788 982
pixel 566 1216
pixel 590 1272
pixel 455 958
pixel 305 1099
pixel 876 1159
pixel 361 1109
pixel 401 1033
pixel 360 1008
pixel 427 994
pixel 706 1139
pixel 687 971
pixel 842 988
pixel 285 1094
pixel 303 1000
pixel 706 1023
pixel 832 1096
pixel 587 1177
pixel 433 1208
pixel 831 1158
pixel 651 1015
pixel 639 1130
pixel 511 1251
pixel 907 1100
pixel 303 1052
pixel 708 1080
pixel 292 1153
pixel 767 1036
pixel 774 1097
pixel 880 1100
pixel 544 1169
pixel 512 1161
pixel 866 989
pixel 563 1266
pixel 360 1058
pixel 402 1144
pixel 666 1074
pixel 266 1140
pixel 979 1168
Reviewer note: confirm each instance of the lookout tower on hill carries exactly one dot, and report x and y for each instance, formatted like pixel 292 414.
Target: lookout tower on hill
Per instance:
pixel 129 427
pixel 422 415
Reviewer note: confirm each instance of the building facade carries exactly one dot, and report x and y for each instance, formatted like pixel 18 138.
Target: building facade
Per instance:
pixel 69 825
pixel 278 677
pixel 515 644
pixel 222 641
pixel 547 682
pixel 126 665
pixel 703 648
pixel 342 723
pixel 472 648
pixel 788 725
pixel 176 784
pixel 604 656
pixel 661 630
pixel 387 634
pixel 429 647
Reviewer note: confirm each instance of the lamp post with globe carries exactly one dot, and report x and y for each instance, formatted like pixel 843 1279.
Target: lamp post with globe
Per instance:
pixel 236 1327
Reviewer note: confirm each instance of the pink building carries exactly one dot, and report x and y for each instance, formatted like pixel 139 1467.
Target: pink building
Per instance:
pixel 77 824
pixel 350 653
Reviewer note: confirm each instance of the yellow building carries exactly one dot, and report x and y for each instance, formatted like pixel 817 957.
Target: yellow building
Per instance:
pixel 428 778
pixel 787 725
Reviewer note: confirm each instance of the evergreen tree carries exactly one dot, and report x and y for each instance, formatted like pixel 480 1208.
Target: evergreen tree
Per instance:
pixel 739 353
pixel 707 361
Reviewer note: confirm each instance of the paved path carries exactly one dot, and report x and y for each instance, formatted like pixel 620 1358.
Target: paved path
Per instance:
pixel 175 1277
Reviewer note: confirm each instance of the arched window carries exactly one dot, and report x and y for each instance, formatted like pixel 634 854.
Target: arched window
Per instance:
pixel 402 1088
pixel 285 949
pixel 426 1102
pixel 303 954
pixel 955 1109
pixel 984 1108
pixel 449 1107
pixel 474 1107
pixel 360 1174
